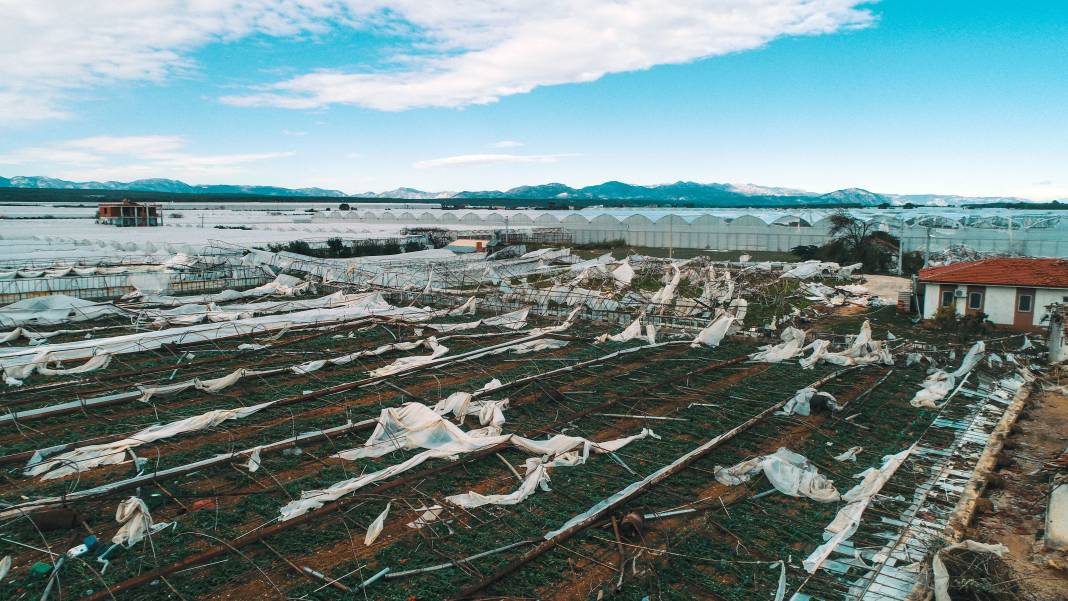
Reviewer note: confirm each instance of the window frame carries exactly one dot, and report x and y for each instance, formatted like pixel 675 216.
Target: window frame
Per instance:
pixel 1030 303
pixel 947 295
pixel 978 305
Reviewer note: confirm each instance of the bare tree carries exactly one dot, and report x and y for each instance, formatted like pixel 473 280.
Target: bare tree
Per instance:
pixel 850 230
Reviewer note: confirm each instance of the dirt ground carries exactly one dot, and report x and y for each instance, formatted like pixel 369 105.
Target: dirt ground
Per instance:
pixel 886 287
pixel 1019 492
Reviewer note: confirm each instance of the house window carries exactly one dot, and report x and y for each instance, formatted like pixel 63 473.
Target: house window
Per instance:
pixel 947 298
pixel 975 300
pixel 1024 304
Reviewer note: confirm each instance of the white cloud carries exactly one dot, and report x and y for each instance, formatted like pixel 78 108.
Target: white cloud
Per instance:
pixel 466 160
pixel 507 144
pixel 137 145
pixel 49 49
pixel 131 157
pixel 487 49
pixel 471 52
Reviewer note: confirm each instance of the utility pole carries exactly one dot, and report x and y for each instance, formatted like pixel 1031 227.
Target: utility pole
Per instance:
pixel 900 242
pixel 1010 234
pixel 671 236
pixel 927 249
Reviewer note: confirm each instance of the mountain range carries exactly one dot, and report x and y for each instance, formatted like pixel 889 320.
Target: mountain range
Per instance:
pixel 161 185
pixel 684 193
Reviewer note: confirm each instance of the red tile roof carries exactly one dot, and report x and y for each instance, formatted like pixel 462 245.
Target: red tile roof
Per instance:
pixel 1030 273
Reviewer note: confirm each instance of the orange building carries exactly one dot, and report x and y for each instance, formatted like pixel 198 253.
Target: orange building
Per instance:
pixel 129 214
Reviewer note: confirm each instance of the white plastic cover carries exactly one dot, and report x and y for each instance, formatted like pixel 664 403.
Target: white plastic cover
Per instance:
pixel 624 273
pixel 714 333
pixel 789 472
pixel 413 426
pixel 940 382
pixel 85 458
pixel 54 309
pixel 848 518
pixel 376 526
pixel 136 522
pixel 792 341
pixel 941 575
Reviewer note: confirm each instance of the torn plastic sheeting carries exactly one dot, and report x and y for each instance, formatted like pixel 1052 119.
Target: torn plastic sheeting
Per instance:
pixel 53 310
pixel 849 455
pixel 136 522
pixel 189 314
pixel 714 333
pixel 39 364
pixel 792 341
pixel 800 403
pixel 624 273
pixel 376 527
pixel 253 464
pixel 224 382
pixel 513 321
pixel 370 305
pixel 862 351
pixel 629 333
pixel 460 405
pixel 91 456
pixel 941 575
pixel 429 516
pixel 404 363
pixel 789 472
pixel 739 307
pixel 468 308
pixel 414 425
pixel 809 269
pixel 667 293
pixel 847 520
pixel 940 382
pixel 537 475
pixel 283 285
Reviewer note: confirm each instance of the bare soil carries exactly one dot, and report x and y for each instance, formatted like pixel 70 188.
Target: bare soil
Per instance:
pixel 1019 492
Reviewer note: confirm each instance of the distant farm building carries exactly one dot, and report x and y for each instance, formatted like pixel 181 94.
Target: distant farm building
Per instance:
pixel 1012 292
pixel 129 214
pixel 467 246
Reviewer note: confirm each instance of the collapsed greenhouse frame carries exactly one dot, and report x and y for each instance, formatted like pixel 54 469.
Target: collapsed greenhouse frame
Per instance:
pixel 258 406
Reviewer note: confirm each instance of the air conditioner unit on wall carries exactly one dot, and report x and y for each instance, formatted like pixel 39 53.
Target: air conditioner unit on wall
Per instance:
pixel 958 294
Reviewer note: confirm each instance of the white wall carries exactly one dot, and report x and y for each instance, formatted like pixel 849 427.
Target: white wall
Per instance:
pixel 999 304
pixel 1045 297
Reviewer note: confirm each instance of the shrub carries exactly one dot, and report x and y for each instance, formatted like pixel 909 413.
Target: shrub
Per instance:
pixel 961 327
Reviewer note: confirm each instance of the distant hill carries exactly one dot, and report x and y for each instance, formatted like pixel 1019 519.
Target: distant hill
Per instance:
pixel 405 194
pixel 681 193
pixel 162 185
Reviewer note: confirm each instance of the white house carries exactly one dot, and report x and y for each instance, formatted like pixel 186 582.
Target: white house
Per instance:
pixel 1012 292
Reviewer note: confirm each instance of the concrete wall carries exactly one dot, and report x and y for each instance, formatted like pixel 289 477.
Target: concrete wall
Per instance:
pixel 742 233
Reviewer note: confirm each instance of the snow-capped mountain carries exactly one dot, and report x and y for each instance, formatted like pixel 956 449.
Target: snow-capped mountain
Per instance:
pixel 161 185
pixel 406 194
pixel 678 193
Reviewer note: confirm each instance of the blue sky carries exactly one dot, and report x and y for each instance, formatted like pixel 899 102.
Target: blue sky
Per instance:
pixel 899 96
